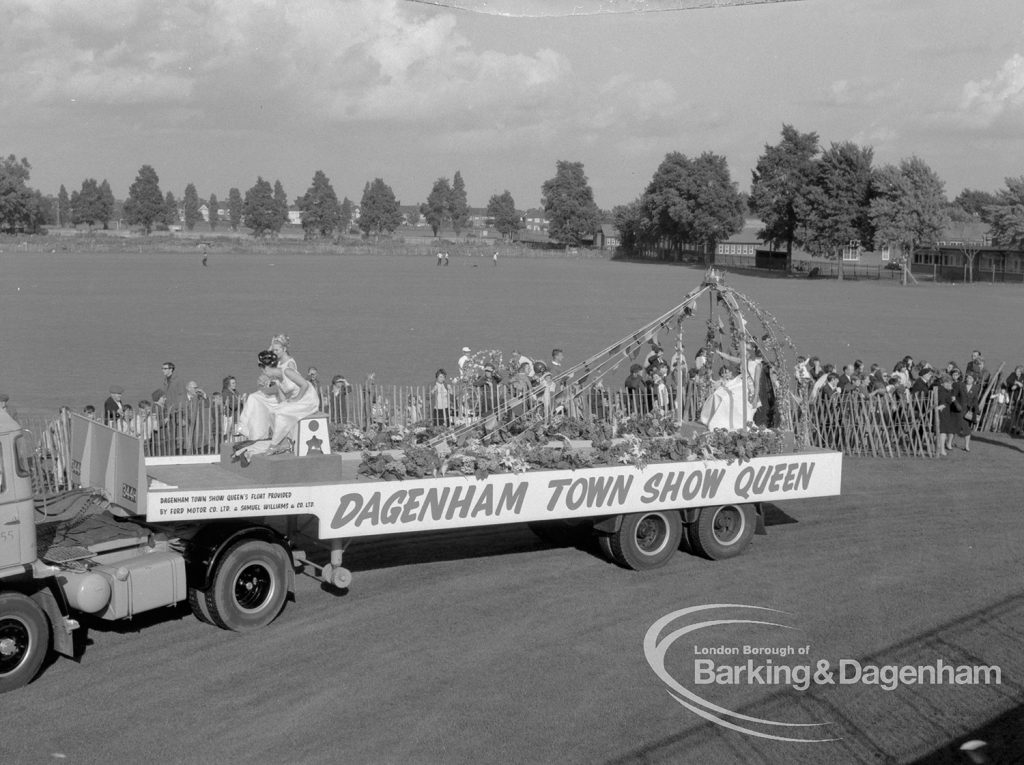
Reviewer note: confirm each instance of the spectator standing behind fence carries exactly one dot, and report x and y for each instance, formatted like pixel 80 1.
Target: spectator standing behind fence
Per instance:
pixel 230 398
pixel 440 400
pixel 174 388
pixel 337 399
pixel 976 364
pixel 970 398
pixel 1014 382
pixel 636 391
pixel 949 413
pixel 313 376
pixel 113 407
pixel 127 422
pixel 488 384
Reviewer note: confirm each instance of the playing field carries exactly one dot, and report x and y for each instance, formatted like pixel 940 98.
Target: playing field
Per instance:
pixel 72 324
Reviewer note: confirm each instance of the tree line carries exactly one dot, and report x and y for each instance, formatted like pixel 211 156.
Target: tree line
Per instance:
pixel 820 199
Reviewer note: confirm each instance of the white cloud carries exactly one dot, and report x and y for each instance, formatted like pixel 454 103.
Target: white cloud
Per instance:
pixel 365 60
pixel 985 101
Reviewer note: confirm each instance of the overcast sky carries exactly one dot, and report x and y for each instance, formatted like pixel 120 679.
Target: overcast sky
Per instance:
pixel 218 92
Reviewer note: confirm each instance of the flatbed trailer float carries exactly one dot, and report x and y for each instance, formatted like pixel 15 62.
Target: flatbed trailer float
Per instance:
pixel 227 540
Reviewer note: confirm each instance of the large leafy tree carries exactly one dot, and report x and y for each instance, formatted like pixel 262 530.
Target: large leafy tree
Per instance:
pixel 281 205
pixel 21 208
pixel 145 203
pixel 908 207
pixel 1006 214
pixel 87 205
pixel 190 207
pixel 260 211
pixel 458 206
pixel 687 201
pixel 321 213
pixel 569 205
pixel 501 210
pixel 213 217
pixel 976 203
pixel 629 221
pixel 63 206
pixel 837 201
pixel 716 205
pixel 436 210
pixel 379 210
pixel 235 205
pixel 779 179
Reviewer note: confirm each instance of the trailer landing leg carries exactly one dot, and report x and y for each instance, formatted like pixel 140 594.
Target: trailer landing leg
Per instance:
pixel 334 573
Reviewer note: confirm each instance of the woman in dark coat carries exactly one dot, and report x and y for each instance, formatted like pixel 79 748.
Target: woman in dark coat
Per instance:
pixel 949 413
pixel 970 399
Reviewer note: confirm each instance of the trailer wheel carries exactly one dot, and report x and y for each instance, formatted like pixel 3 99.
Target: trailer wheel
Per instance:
pixel 24 640
pixel 249 586
pixel 197 602
pixel 723 531
pixel 646 540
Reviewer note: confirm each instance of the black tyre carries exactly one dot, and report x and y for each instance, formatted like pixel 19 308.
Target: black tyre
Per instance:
pixel 197 602
pixel 24 640
pixel 723 531
pixel 563 532
pixel 249 586
pixel 646 540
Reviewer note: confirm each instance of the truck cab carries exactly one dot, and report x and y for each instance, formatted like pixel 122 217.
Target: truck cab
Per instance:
pixel 30 604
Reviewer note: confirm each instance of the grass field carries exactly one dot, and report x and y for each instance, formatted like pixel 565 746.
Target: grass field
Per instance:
pixel 75 323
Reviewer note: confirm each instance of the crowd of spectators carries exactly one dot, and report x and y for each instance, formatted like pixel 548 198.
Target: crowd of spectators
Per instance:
pixel 181 417
pixel 958 392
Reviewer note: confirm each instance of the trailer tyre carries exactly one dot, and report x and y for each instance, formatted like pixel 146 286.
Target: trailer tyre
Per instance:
pixel 24 640
pixel 250 586
pixel 646 540
pixel 197 602
pixel 723 531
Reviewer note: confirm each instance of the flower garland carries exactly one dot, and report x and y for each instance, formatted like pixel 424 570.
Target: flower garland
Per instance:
pixel 642 441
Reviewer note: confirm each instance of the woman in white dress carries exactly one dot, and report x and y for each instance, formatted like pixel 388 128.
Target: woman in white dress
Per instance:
pixel 724 407
pixel 272 414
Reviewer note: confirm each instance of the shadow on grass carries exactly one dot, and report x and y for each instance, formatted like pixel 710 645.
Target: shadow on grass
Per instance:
pixel 775 515
pixel 996 442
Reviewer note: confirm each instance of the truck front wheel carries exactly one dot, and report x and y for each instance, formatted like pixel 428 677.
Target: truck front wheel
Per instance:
pixel 24 640
pixel 249 586
pixel 645 540
pixel 723 531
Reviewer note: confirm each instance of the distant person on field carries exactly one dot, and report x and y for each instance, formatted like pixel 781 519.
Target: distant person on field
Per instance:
pixel 494 258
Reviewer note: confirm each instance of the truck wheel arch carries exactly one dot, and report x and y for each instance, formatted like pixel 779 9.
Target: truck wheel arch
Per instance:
pixel 208 546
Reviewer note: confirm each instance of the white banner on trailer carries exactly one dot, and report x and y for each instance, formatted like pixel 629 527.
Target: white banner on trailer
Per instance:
pixel 365 508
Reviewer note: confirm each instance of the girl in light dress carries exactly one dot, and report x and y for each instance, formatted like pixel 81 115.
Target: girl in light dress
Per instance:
pixel 272 413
